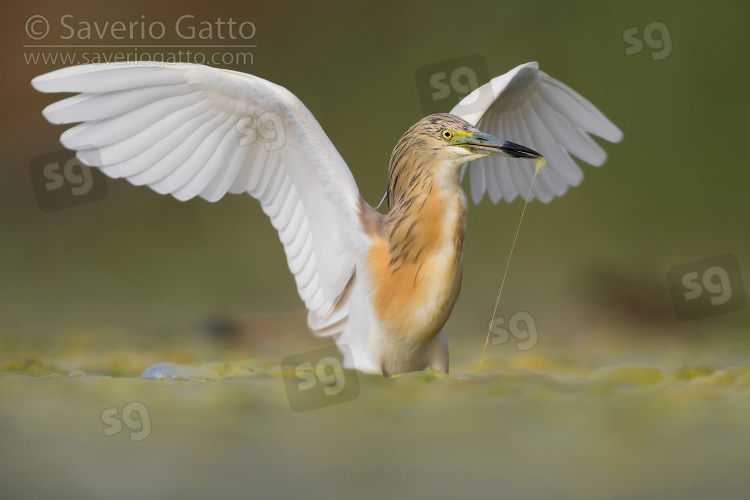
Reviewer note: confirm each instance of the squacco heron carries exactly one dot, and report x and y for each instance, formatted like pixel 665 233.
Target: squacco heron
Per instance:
pixel 383 285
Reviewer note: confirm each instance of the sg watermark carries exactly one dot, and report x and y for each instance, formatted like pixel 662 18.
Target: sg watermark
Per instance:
pixel 317 378
pixel 443 84
pixel 707 287
pixel 61 181
pixel 520 326
pixel 267 126
pixel 134 417
pixel 655 35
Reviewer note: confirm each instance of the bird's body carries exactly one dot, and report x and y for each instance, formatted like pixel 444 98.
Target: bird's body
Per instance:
pixel 413 264
pixel 383 285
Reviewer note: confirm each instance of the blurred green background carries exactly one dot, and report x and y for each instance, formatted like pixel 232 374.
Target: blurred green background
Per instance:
pixel 591 267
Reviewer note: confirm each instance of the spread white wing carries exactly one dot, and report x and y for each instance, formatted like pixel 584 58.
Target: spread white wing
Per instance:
pixel 191 130
pixel 528 107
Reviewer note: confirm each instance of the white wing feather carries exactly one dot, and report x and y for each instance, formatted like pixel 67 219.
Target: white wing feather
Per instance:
pixel 191 130
pixel 529 107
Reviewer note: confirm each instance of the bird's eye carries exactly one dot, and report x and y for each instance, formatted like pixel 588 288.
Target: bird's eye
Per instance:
pixel 446 134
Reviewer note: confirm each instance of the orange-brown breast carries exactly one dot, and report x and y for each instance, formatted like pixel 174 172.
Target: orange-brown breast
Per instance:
pixel 414 263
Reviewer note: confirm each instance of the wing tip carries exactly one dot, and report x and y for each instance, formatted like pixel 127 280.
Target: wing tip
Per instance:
pixel 46 83
pixel 211 197
pixel 38 83
pixel 617 136
pixel 50 82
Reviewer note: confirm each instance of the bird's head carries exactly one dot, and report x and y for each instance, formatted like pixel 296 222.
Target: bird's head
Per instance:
pixel 456 141
pixel 441 143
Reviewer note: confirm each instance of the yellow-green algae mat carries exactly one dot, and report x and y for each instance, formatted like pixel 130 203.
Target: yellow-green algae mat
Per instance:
pixel 529 425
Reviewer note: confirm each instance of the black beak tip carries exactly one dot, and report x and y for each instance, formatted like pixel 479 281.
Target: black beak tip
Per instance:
pixel 521 151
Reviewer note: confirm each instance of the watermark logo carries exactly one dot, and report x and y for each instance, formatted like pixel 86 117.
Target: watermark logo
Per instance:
pixel 655 35
pixel 71 40
pixel 61 181
pixel 268 127
pixel 707 287
pixel 186 27
pixel 520 326
pixel 442 85
pixel 317 378
pixel 134 417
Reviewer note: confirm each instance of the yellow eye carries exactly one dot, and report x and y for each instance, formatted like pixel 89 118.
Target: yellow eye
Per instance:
pixel 446 134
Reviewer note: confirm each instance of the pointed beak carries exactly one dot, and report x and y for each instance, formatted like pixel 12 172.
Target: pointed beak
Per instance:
pixel 486 144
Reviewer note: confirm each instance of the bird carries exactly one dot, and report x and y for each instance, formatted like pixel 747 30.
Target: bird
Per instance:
pixel 381 285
